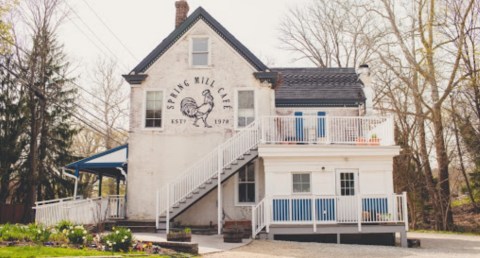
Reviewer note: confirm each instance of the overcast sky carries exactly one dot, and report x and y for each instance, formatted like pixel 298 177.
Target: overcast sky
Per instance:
pixel 142 24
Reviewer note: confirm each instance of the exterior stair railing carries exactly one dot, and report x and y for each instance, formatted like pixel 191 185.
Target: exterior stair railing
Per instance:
pixel 205 169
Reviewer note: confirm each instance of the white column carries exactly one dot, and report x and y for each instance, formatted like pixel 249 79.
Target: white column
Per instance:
pixel 167 215
pixel 219 192
pixel 405 210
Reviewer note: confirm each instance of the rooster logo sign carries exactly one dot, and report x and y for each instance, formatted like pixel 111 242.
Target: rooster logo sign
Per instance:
pixel 189 108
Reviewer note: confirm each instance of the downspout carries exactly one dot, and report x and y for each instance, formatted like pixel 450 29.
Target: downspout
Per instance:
pixel 76 182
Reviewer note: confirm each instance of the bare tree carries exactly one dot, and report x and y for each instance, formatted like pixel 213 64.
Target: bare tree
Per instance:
pixel 329 33
pixel 108 101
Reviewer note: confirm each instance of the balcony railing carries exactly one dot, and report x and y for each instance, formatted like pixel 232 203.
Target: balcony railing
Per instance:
pixel 328 130
pixel 321 210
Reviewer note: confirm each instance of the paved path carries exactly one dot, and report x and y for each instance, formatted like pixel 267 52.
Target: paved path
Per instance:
pixel 206 244
pixel 433 245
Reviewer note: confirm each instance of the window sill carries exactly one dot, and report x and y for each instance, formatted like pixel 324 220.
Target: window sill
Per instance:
pixel 245 204
pixel 201 67
pixel 153 129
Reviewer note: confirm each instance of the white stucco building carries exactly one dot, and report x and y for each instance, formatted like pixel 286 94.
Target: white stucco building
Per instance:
pixel 295 151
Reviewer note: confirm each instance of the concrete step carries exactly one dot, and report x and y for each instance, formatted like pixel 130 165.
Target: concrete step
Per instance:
pixel 133 225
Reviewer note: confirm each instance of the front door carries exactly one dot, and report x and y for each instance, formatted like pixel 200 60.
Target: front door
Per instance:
pixel 347 189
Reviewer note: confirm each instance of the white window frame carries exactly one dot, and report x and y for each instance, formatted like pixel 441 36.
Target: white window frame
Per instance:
pixel 144 111
pixel 209 56
pixel 235 110
pixel 301 173
pixel 237 181
pixel 356 178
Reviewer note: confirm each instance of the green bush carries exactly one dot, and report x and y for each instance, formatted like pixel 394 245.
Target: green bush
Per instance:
pixel 119 240
pixel 9 232
pixel 38 233
pixel 76 235
pixel 58 237
pixel 63 224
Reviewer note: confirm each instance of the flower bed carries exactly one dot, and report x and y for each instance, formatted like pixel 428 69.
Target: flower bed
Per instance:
pixel 67 235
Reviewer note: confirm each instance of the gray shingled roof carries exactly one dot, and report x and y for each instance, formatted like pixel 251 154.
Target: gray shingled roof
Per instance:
pixel 318 87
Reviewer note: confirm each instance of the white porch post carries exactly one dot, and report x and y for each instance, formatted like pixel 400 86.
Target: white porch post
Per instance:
pixel 167 215
pixel 405 210
pixel 314 209
pixel 327 122
pixel 219 192
pixel 156 210
pixel 359 212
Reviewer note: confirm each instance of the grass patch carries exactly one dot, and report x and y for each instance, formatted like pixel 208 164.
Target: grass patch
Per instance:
pixel 39 251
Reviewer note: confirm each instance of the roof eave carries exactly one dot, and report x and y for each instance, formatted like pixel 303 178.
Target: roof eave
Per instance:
pixel 199 13
pixel 135 78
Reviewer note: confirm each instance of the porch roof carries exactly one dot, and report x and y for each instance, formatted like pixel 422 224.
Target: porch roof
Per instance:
pixel 105 163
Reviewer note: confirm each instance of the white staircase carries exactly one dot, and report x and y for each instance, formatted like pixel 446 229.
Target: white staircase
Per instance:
pixel 203 176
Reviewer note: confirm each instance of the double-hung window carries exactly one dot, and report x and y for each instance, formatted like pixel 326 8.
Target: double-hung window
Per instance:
pixel 301 183
pixel 245 108
pixel 153 109
pixel 246 184
pixel 200 51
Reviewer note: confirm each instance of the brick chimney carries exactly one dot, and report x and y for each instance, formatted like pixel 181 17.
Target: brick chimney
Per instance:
pixel 182 12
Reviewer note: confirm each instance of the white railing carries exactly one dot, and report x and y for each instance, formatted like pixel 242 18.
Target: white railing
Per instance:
pixel 116 207
pixel 258 217
pixel 206 169
pixel 88 211
pixel 328 130
pixel 318 209
pixel 50 212
pixel 79 211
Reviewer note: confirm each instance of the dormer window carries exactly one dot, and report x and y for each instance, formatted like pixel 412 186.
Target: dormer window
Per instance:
pixel 200 51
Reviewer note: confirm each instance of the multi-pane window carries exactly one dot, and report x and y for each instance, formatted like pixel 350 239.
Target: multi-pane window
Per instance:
pixel 200 51
pixel 347 183
pixel 246 184
pixel 153 110
pixel 301 183
pixel 246 108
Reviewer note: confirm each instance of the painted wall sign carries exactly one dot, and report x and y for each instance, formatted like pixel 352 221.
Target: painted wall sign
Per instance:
pixel 196 100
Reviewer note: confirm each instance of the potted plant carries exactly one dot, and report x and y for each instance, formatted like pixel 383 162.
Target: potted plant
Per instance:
pixel 180 236
pixel 233 234
pixel 374 140
pixel 360 141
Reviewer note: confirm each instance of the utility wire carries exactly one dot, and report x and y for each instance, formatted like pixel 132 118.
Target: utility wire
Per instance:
pixel 116 37
pixel 94 34
pixel 42 96
pixel 82 88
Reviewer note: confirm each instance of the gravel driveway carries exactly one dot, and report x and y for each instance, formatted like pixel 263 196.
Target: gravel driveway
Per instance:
pixel 433 245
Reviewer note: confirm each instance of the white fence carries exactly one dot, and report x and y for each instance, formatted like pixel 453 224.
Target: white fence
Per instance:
pixel 79 211
pixel 317 210
pixel 328 130
pixel 116 207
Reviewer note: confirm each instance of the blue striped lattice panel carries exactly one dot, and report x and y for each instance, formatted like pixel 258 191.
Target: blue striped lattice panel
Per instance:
pixel 325 209
pixel 280 210
pixel 302 210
